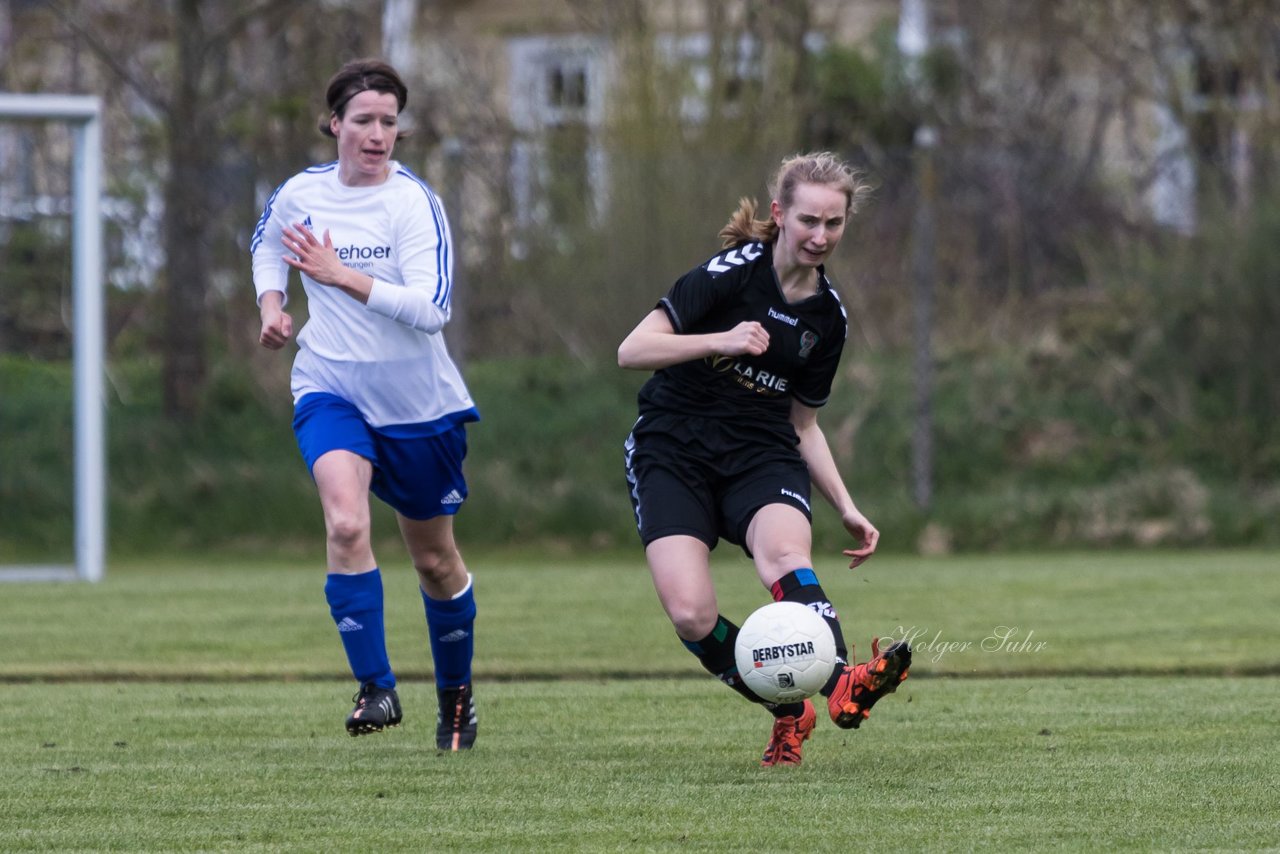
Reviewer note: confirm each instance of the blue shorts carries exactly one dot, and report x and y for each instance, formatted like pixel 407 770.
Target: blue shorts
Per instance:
pixel 417 469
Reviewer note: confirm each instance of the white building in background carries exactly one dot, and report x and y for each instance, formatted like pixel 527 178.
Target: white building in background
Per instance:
pixel 557 92
pixel 548 67
pixel 536 75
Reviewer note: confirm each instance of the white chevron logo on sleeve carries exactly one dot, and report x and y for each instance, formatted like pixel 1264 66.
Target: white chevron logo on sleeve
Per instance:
pixel 735 257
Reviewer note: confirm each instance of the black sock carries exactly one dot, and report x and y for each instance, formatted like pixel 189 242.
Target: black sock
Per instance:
pixel 802 586
pixel 715 651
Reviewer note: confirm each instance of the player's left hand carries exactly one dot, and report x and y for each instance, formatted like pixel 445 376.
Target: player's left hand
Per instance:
pixel 317 259
pixel 866 535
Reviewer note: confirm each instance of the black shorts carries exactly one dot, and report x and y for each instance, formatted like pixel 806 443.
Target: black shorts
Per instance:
pixel 706 478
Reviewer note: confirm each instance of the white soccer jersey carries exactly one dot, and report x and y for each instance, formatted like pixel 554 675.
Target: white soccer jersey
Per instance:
pixel 388 357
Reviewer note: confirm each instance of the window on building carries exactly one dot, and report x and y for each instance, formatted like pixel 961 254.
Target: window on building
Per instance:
pixel 557 87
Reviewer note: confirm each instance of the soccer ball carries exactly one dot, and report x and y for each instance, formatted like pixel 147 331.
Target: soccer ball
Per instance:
pixel 785 652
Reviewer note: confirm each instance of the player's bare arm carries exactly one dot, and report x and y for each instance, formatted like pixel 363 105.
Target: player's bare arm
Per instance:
pixel 826 477
pixel 654 343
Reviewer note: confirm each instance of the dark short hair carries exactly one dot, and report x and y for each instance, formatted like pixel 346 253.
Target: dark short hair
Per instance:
pixel 361 75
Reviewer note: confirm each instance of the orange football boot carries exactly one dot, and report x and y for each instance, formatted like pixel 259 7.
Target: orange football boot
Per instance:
pixel 861 685
pixel 788 737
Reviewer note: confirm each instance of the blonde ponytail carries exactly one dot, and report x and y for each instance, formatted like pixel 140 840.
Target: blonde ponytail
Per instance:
pixel 743 227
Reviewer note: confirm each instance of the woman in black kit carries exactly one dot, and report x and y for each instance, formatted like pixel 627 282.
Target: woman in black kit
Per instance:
pixel 744 349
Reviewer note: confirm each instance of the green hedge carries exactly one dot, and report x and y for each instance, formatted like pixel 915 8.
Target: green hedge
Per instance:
pixel 1032 452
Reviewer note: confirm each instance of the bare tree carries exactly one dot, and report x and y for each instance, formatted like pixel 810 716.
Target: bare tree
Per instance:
pixel 191 81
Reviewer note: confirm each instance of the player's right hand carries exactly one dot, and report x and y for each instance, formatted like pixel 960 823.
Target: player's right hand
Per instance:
pixel 277 328
pixel 866 534
pixel 748 338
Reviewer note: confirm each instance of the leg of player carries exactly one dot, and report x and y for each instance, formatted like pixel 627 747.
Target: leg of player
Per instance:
pixel 353 588
pixel 780 538
pixel 681 569
pixel 780 541
pixel 450 608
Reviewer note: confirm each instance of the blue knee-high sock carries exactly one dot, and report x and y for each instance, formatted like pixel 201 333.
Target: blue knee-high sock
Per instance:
pixel 355 601
pixel 451 624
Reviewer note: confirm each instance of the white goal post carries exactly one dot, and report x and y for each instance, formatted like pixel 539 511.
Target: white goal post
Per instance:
pixel 83 113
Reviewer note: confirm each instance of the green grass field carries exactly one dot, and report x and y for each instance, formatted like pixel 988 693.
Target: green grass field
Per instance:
pixel 1082 702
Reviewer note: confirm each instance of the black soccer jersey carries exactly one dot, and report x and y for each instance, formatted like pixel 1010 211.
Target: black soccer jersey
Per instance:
pixel 805 342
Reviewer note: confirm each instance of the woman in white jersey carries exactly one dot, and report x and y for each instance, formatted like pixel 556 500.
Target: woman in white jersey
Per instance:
pixel 378 404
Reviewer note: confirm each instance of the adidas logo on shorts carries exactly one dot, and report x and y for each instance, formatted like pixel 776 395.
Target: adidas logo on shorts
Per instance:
pixel 452 498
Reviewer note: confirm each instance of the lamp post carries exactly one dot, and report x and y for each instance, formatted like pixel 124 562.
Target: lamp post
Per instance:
pixel 913 43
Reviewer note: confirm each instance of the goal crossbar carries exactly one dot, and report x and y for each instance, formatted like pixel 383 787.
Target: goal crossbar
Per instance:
pixel 83 113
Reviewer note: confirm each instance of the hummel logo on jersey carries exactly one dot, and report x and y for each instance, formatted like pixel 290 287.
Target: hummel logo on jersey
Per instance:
pixel 735 257
pixel 455 636
pixel 787 319
pixel 349 625
pixel 452 498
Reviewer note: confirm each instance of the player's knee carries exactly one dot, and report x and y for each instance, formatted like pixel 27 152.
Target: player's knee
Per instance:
pixel 779 561
pixel 692 621
pixel 438 565
pixel 347 531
